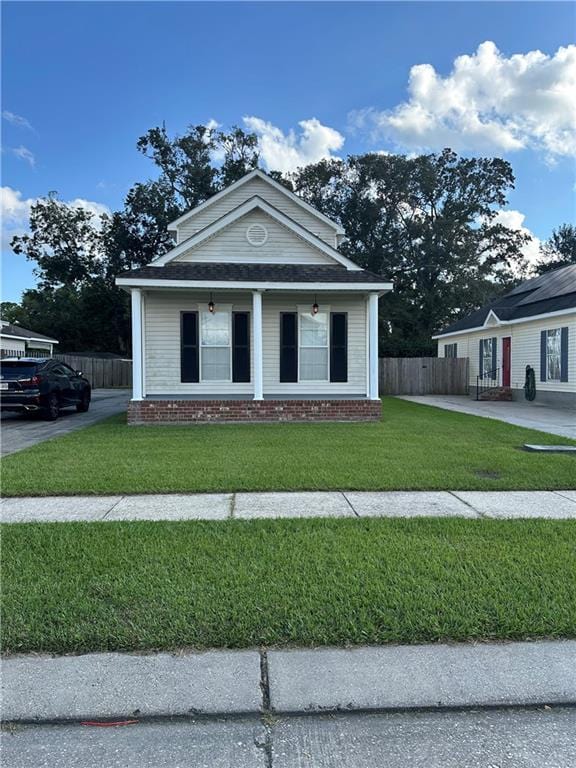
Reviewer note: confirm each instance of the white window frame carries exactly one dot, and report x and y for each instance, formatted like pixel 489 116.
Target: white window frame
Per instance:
pixel 219 308
pixel 307 310
pixel 484 374
pixel 557 332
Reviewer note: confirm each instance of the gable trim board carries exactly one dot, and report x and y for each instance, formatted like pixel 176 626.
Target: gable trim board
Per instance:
pixel 527 319
pixel 241 210
pixel 173 226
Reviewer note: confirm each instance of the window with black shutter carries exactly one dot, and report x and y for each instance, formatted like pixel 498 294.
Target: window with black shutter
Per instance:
pixel 338 346
pixel 189 367
pixel 288 347
pixel 240 347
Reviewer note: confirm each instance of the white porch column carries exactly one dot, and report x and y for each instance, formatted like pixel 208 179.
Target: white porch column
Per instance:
pixel 136 294
pixel 373 346
pixel 257 333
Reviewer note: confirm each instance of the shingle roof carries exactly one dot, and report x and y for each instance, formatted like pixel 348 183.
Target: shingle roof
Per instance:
pixel 7 329
pixel 259 273
pixel 550 292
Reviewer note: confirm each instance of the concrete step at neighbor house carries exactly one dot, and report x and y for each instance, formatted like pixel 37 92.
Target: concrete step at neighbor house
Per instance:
pixel 500 394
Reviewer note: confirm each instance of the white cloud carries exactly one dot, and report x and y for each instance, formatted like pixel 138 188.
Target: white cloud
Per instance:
pixel 17 120
pixel 15 212
pixel 489 102
pixel 23 153
pixel 286 152
pixel 515 220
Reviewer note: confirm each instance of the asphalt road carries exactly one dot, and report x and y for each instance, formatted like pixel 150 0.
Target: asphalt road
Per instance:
pixel 518 738
pixel 23 430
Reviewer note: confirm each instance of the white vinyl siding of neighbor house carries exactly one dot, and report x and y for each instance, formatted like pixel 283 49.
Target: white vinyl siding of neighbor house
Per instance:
pixel 273 196
pixel 525 350
pixel 162 311
pixel 231 245
pixel 13 345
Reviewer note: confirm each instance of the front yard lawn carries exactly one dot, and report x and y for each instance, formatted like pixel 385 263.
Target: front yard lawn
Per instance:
pixel 73 587
pixel 414 447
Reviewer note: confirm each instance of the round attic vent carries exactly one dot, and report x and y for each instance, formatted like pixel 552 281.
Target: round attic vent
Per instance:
pixel 256 234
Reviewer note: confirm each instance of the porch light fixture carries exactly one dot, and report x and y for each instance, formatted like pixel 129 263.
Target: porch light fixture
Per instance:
pixel 211 305
pixel 315 307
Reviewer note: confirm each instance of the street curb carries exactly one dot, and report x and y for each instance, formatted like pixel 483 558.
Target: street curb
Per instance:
pixel 109 686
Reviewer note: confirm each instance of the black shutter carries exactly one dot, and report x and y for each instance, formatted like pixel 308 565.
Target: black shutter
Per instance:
pixel 288 346
pixel 480 359
pixel 494 351
pixel 189 367
pixel 543 366
pixel 339 346
pixel 564 354
pixel 240 347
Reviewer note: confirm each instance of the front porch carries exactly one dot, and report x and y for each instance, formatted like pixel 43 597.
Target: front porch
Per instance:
pixel 295 356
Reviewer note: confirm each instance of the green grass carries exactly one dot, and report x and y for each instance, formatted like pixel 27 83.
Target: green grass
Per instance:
pixel 413 447
pixel 70 587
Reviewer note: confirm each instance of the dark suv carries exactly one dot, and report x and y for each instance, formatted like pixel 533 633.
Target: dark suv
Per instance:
pixel 42 384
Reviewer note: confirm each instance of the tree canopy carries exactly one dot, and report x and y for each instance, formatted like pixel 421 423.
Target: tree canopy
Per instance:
pixel 428 223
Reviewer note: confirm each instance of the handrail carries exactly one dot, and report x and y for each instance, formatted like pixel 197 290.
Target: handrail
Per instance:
pixel 493 376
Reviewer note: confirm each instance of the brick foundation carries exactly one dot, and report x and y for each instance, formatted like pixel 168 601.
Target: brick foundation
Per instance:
pixel 203 411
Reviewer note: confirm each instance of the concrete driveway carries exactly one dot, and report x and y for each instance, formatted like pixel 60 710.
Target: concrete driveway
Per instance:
pixel 556 421
pixel 21 430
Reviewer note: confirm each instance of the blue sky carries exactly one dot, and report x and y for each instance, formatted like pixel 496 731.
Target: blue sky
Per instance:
pixel 82 81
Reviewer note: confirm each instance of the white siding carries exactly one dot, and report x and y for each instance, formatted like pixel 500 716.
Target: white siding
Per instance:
pixel 282 246
pixel 525 349
pixel 238 196
pixel 162 342
pixel 355 306
pixel 13 345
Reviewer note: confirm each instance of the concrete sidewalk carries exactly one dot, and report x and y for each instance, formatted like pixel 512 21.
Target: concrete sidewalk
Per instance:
pixel 223 683
pixel 245 506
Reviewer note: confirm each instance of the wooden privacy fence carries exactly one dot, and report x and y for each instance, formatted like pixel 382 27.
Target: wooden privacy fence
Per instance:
pixel 423 375
pixel 101 372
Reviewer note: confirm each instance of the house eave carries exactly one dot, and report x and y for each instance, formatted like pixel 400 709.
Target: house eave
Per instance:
pixel 252 285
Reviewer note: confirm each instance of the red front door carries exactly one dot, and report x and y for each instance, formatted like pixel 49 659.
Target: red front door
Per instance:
pixel 506 360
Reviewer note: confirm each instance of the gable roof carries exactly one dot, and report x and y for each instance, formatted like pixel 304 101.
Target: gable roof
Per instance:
pixel 256 174
pixel 241 210
pixel 549 293
pixel 17 332
pixel 233 275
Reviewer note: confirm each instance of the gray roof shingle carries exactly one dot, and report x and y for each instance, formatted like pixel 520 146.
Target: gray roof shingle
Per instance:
pixel 259 273
pixel 550 292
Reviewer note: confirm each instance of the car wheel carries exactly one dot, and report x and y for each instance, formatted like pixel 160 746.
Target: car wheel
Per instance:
pixel 53 408
pixel 84 403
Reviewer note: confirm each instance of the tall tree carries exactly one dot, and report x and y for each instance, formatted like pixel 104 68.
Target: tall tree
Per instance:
pixel 429 224
pixel 559 250
pixel 78 254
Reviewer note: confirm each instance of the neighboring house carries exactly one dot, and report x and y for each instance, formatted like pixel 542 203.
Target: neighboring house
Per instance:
pixel 532 325
pixel 254 314
pixel 16 341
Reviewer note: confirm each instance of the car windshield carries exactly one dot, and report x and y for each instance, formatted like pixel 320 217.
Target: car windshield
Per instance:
pixel 16 369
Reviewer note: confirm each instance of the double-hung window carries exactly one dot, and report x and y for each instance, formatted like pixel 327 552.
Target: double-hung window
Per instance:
pixel 314 346
pixel 215 346
pixel 553 353
pixel 487 359
pixel 450 350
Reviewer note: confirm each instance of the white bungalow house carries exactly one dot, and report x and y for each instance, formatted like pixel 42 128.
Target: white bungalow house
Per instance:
pixel 533 325
pixel 254 315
